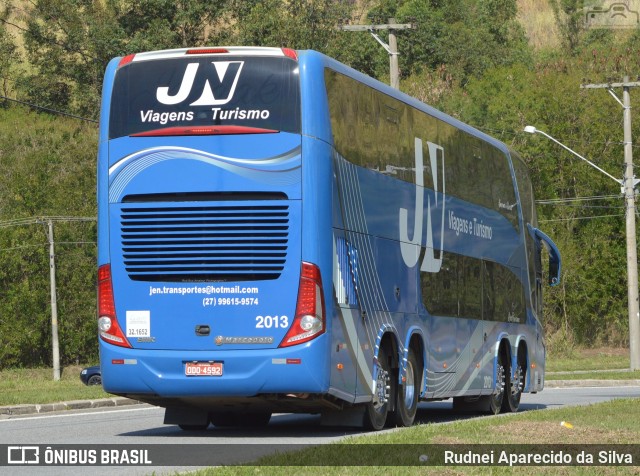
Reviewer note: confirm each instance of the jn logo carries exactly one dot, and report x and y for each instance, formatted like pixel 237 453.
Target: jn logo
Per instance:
pixel 224 81
pixel 410 248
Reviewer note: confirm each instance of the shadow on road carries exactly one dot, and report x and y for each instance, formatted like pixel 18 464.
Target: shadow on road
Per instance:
pixel 308 426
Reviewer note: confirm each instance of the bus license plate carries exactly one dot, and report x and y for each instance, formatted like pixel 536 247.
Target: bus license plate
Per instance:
pixel 203 369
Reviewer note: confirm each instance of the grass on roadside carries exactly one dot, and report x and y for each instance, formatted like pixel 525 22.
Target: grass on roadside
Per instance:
pixel 37 386
pixel 635 375
pixel 589 359
pixel 613 422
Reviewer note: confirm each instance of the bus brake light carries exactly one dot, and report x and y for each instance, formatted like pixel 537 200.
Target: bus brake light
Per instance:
pixel 108 326
pixel 207 51
pixel 309 321
pixel 126 60
pixel 288 52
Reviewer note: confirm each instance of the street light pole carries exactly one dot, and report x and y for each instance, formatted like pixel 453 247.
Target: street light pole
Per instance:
pixel 628 188
pixel 533 130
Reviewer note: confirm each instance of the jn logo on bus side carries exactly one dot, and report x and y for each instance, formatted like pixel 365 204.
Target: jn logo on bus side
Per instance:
pixel 410 248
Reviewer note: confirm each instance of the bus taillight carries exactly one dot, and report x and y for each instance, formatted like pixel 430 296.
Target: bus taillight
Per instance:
pixel 309 321
pixel 108 326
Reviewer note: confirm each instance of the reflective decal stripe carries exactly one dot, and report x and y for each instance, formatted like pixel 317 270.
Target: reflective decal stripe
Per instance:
pixel 365 372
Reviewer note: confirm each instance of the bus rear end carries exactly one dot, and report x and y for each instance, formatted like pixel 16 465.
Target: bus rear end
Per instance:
pixel 206 304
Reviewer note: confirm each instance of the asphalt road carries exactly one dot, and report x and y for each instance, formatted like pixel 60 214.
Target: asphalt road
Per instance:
pixel 143 425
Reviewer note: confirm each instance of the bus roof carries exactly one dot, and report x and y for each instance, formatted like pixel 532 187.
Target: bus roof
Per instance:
pixel 312 56
pixel 218 51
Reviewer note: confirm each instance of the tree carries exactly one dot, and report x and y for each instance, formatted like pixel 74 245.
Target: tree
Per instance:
pixel 158 24
pixel 9 58
pixel 70 42
pixel 298 24
pixel 467 36
pixel 48 170
pixel 569 19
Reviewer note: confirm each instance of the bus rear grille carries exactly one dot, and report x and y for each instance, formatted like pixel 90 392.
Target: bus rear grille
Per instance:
pixel 205 243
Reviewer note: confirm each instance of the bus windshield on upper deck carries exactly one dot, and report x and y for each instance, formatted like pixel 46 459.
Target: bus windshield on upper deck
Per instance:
pixel 188 94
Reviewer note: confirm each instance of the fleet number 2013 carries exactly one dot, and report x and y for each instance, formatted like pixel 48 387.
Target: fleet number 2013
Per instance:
pixel 269 322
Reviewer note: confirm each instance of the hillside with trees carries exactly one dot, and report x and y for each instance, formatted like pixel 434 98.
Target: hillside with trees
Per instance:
pixel 496 64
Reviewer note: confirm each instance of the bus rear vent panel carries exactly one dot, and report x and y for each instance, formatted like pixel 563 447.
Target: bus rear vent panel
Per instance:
pixel 205 243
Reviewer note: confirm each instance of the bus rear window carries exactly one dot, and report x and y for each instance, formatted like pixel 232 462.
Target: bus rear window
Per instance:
pixel 191 92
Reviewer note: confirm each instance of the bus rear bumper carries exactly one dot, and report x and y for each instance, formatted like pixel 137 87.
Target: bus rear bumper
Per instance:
pixel 245 373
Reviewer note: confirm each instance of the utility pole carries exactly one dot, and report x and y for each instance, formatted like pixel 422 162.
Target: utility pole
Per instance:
pixel 48 222
pixel 391 48
pixel 54 304
pixel 628 188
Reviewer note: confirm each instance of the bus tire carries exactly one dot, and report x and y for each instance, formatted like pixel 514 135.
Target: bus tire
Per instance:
pixel 513 389
pixel 502 369
pixel 408 393
pixel 375 414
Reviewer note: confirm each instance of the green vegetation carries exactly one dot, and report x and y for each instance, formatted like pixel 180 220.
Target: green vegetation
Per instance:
pixel 19 386
pixel 48 171
pixel 613 422
pixel 590 364
pixel 496 64
pixel 587 375
pixel 588 359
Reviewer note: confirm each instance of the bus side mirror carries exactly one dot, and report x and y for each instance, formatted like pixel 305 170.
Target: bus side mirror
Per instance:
pixel 554 272
pixel 555 262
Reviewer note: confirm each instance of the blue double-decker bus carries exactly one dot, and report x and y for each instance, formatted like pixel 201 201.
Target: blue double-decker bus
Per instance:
pixel 280 233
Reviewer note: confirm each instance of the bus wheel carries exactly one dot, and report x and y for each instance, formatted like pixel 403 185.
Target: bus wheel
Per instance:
pixel 514 387
pixel 409 392
pixel 496 400
pixel 375 415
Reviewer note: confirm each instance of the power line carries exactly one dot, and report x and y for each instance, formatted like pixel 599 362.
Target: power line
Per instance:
pixel 21 247
pixel 578 218
pixel 44 219
pixel 48 109
pixel 602 207
pixel 553 201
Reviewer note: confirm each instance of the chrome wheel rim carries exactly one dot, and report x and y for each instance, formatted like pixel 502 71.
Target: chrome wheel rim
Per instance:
pixel 409 386
pixel 517 382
